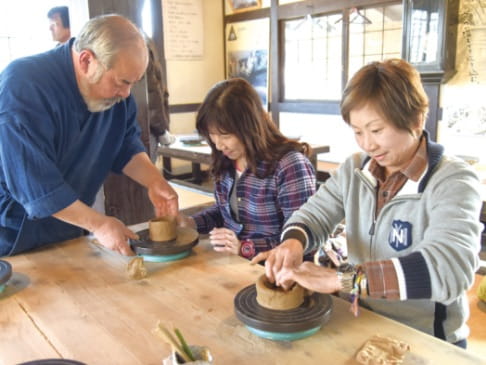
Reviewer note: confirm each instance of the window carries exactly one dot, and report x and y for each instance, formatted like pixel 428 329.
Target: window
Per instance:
pixel 147 25
pixel 313 58
pixel 313 49
pixel 24 32
pixel 305 94
pixel 424 34
pixel 24 26
pixel 320 51
pixel 375 34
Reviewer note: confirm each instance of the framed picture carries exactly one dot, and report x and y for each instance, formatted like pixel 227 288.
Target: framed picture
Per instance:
pixel 247 47
pixel 244 5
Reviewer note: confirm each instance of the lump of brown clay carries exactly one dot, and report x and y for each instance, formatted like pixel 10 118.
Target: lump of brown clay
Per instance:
pixel 136 269
pixel 162 229
pixel 274 297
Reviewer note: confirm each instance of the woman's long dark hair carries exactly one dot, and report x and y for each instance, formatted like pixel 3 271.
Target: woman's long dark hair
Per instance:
pixel 234 107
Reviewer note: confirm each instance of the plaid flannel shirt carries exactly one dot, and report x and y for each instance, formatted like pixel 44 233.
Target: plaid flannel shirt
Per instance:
pixel 264 205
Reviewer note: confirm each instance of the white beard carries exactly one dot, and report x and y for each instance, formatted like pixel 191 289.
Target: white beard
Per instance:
pixel 96 105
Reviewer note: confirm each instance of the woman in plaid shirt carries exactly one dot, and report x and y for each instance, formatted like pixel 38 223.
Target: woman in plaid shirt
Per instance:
pixel 261 176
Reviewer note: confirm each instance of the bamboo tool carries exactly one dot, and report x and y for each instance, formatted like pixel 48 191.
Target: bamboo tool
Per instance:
pixel 164 333
pixel 186 348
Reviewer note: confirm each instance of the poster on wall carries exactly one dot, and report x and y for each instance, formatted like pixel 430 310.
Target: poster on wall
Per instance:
pixel 463 127
pixel 247 47
pixel 183 29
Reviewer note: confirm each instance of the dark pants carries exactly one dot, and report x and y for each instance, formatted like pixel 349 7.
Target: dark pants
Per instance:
pixel 462 343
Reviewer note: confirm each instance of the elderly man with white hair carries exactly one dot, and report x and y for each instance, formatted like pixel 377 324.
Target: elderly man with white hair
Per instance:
pixel 66 120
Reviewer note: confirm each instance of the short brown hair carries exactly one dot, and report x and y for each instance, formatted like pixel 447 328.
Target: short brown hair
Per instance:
pixel 393 87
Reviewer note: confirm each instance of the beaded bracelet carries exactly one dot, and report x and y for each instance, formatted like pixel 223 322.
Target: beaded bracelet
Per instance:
pixel 363 286
pixel 359 289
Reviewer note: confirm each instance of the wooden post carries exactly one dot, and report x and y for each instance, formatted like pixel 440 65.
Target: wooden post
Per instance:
pixel 124 198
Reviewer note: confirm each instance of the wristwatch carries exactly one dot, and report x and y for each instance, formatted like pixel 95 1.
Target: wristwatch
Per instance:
pixel 247 248
pixel 346 274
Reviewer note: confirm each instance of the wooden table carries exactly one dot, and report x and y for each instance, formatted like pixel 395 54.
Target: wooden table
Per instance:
pixel 73 300
pixel 201 154
pixel 190 199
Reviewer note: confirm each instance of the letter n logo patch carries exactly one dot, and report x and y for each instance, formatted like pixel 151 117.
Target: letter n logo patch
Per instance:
pixel 400 236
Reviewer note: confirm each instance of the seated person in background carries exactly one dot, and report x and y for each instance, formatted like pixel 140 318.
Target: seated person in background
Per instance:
pixel 59 24
pixel 158 102
pixel 67 115
pixel 411 213
pixel 261 176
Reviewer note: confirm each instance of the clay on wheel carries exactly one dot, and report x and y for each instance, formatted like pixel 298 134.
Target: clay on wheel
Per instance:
pixel 274 297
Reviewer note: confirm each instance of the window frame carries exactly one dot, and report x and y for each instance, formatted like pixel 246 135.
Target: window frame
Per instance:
pixel 278 14
pixel 318 7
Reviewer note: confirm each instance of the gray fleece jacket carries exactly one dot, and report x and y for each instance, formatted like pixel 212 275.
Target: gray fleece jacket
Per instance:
pixel 430 230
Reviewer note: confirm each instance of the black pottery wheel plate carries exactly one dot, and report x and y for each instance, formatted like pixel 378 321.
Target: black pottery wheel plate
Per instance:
pixel 53 362
pixel 5 273
pixel 186 239
pixel 312 314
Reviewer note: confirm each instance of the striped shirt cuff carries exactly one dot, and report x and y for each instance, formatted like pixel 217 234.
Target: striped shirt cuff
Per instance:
pixel 297 232
pixel 416 275
pixel 402 285
pixel 382 279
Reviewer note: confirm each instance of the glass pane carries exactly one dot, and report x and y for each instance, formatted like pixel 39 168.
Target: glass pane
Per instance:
pixel 312 58
pixel 147 18
pixel 30 38
pixel 375 16
pixel 5 54
pixel 424 34
pixel 355 63
pixel 356 40
pixel 390 39
pixel 393 17
pixel 375 34
pixel 321 129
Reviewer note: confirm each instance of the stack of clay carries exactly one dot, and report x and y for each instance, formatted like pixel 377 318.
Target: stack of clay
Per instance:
pixel 274 297
pixel 162 229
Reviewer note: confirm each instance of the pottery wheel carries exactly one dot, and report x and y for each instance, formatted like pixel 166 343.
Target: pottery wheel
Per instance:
pixel 314 312
pixel 186 239
pixel 53 362
pixel 5 271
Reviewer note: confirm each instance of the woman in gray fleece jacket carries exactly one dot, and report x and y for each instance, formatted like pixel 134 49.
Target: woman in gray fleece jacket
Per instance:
pixel 411 213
